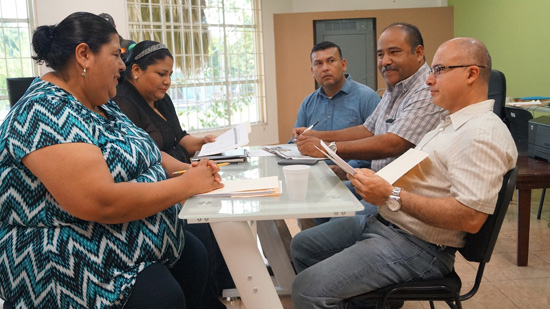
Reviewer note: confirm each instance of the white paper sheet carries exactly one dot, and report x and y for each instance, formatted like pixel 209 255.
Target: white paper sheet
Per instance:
pixel 289 151
pixel 234 138
pixel 530 103
pixel 260 153
pixel 391 172
pixel 400 166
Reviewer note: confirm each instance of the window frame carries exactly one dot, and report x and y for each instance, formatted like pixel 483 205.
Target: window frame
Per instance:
pixel 157 30
pixel 29 62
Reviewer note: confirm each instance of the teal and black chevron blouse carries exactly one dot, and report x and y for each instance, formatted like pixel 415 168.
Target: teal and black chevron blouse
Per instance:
pixel 49 258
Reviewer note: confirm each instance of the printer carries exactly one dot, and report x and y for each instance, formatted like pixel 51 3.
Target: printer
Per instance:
pixel 539 137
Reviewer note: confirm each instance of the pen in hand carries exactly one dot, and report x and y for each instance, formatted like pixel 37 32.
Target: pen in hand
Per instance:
pixel 307 129
pixel 183 171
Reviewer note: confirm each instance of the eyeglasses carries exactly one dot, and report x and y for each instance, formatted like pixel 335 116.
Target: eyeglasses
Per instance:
pixel 436 69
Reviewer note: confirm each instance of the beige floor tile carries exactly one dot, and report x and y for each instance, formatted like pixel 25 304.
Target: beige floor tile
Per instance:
pixel 500 269
pixel 237 304
pixel 543 254
pixel 413 305
pixel 488 296
pixel 527 293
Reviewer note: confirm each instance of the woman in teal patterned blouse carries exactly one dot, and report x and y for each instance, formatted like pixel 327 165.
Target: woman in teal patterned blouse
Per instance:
pixel 88 213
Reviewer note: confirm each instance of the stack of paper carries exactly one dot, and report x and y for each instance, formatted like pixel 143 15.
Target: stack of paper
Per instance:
pixel 528 103
pixel 264 186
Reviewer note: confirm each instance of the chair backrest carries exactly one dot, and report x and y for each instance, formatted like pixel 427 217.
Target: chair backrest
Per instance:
pixel 497 92
pixel 518 122
pixel 479 246
pixel 17 87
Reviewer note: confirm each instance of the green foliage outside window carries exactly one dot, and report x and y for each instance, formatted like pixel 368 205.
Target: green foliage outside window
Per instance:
pixel 15 47
pixel 218 78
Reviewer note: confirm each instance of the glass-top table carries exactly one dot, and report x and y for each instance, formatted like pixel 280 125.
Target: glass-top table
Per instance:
pixel 231 220
pixel 326 196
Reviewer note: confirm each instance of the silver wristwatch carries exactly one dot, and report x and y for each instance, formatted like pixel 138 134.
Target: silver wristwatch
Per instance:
pixel 394 201
pixel 333 147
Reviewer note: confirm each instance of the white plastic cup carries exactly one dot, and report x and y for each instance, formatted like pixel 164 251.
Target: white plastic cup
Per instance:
pixel 296 179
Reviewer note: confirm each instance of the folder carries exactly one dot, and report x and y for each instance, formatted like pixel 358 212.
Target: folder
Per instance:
pixel 263 186
pixel 391 172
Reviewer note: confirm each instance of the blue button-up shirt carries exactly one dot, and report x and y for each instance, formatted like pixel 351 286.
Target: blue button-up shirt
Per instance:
pixel 350 107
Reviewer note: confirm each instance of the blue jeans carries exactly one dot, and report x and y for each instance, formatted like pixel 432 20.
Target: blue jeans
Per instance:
pixel 369 209
pixel 349 256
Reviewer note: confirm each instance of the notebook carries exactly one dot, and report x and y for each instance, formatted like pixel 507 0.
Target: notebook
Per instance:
pixel 230 156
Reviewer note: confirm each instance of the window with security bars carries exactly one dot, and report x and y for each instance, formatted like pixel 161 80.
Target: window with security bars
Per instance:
pixel 15 46
pixel 218 76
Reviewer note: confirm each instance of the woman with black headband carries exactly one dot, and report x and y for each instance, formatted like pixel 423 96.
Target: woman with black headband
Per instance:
pixel 141 95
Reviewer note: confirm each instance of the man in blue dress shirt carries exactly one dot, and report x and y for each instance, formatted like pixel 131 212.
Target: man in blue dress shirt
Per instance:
pixel 340 102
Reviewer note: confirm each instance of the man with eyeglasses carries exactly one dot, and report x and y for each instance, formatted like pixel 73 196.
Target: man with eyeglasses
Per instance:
pixel 402 117
pixel 429 211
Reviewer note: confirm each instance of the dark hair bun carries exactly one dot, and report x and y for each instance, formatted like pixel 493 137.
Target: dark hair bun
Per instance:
pixel 42 42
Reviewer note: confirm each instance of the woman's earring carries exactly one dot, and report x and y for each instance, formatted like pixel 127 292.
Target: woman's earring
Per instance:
pixel 84 72
pixel 135 77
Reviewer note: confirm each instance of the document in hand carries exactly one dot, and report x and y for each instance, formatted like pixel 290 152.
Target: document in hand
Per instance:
pixel 400 166
pixel 336 159
pixel 391 172
pixel 234 138
pixel 263 186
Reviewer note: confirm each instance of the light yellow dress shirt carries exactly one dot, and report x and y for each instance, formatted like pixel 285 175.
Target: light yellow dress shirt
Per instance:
pixel 469 153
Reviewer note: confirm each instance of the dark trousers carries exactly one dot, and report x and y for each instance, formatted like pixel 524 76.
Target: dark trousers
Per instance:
pixel 182 286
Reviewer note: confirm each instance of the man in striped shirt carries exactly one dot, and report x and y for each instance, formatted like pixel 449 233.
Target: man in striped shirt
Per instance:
pixel 400 120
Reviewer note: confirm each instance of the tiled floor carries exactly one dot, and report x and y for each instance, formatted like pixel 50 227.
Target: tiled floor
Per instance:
pixel 505 286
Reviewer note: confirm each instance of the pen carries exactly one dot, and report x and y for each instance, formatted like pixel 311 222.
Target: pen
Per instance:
pixel 181 172
pixel 307 129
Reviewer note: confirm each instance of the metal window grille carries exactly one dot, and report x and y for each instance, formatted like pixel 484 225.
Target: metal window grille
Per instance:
pixel 218 78
pixel 16 24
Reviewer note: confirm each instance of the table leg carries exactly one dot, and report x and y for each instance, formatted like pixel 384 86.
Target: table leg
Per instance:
pixel 524 218
pixel 240 250
pixel 276 254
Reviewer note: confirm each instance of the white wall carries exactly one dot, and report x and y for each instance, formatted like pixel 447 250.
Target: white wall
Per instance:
pixel 50 12
pixel 269 134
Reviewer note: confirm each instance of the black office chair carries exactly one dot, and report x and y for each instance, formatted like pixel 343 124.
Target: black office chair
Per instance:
pixel 17 87
pixel 497 92
pixel 479 248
